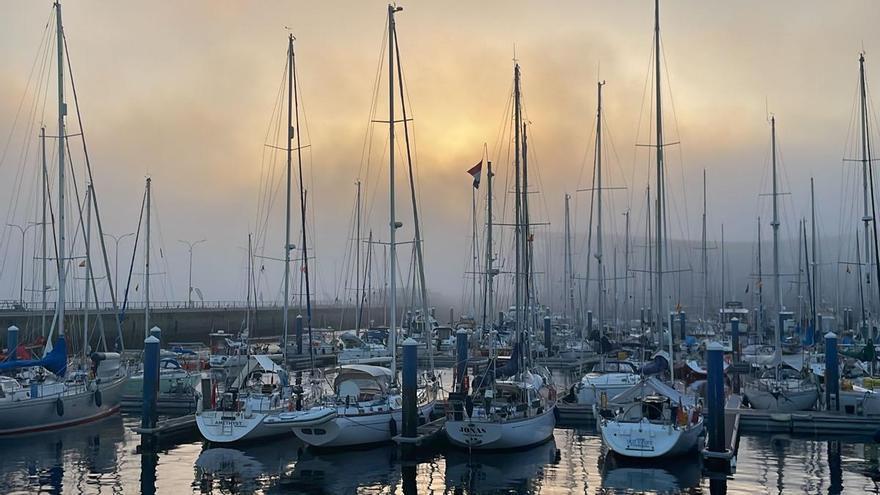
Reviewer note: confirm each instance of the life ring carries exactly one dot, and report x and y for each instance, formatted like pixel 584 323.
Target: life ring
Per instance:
pixel 59 406
pixel 98 399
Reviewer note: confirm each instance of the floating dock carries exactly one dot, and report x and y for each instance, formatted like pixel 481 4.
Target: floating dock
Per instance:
pixel 802 422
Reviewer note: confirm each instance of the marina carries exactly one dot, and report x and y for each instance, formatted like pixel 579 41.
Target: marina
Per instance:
pixel 346 350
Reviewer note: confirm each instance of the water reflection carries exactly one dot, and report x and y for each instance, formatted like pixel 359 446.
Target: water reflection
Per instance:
pixel 104 457
pixel 79 459
pixel 519 471
pixel 657 475
pixel 349 471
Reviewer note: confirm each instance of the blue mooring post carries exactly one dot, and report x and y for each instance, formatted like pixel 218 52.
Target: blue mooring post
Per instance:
pixel 299 335
pixel 410 411
pixel 156 332
pixel 12 343
pixel 682 319
pixel 548 339
pixel 715 397
pixel 151 381
pixel 461 358
pixel 832 373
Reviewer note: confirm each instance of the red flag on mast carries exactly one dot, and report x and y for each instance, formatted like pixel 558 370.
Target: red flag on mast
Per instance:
pixel 475 172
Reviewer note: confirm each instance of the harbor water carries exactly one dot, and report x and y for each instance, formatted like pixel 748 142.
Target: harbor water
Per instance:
pixel 104 458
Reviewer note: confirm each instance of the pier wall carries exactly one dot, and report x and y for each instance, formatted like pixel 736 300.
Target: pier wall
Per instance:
pixel 181 324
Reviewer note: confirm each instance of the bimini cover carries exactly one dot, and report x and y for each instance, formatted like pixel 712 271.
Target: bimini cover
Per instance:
pixel 351 340
pixel 363 372
pixel 648 386
pixel 55 361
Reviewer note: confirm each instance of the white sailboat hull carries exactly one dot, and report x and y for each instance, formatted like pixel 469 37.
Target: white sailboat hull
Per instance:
pixel 646 440
pixel 483 434
pixel 32 415
pixel 318 428
pixel 783 401
pixel 226 427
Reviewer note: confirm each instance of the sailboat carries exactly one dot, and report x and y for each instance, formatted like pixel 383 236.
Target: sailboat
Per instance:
pixel 512 406
pixel 652 419
pixel 55 392
pixel 366 405
pixel 779 388
pixel 261 400
pixel 177 386
pixel 608 378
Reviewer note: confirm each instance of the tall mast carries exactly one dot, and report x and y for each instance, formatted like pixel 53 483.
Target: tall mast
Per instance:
pixel 526 249
pixel 62 111
pixel 518 233
pixel 760 285
pixel 302 201
pixel 489 304
pixel 88 277
pixel 285 320
pixel 866 164
pixel 43 226
pixel 723 268
pixel 705 256
pixel 777 289
pixel 147 268
pixel 626 303
pixel 393 224
pixel 600 313
pixel 417 225
pixel 658 214
pixel 474 255
pixel 866 181
pixel 357 258
pixel 247 312
pixel 569 278
pixel 814 267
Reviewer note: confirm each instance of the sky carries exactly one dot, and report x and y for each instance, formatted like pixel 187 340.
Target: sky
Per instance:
pixel 184 92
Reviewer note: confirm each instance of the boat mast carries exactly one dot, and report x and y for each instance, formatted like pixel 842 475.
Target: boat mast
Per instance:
pixel 866 164
pixel 528 284
pixel 814 267
pixel 705 257
pixel 147 268
pixel 88 260
pixel 777 289
pixel 247 312
pixel 357 258
pixel 760 319
pixel 518 233
pixel 417 227
pixel 569 278
pixel 658 214
pixel 489 303
pixel 626 304
pixel 302 202
pixel 62 111
pixel 44 225
pixel 600 307
pixel 285 319
pixel 393 224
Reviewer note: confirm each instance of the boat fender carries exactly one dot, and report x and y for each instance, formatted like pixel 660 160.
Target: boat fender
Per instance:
pixel 392 425
pixel 98 399
pixel 603 399
pixel 59 406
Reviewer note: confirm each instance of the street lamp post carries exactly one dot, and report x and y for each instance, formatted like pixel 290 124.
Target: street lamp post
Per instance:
pixel 190 245
pixel 23 230
pixel 116 259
